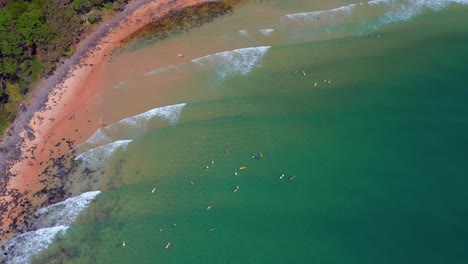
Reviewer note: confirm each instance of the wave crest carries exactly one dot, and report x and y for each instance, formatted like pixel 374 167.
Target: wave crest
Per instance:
pixel 233 62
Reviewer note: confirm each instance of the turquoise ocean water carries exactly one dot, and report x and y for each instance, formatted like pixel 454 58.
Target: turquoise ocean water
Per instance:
pixel 373 125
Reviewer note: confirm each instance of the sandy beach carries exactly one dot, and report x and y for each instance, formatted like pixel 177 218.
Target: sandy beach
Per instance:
pixel 44 133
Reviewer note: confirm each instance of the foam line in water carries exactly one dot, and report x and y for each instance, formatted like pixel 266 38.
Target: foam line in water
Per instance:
pixel 233 62
pixel 266 32
pixel 66 212
pixel 391 11
pixel 403 10
pixel 160 70
pixel 120 85
pixel 101 154
pixel 313 16
pixel 23 247
pixel 170 113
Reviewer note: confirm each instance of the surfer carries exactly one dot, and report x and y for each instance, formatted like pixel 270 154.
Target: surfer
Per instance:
pixel 154 189
pixel 123 243
pixel 209 207
pixel 211 229
pixel 236 189
pixel 168 245
pixel 282 176
pixel 226 151
pixel 242 167
pixel 235 173
pixel 261 154
pixel 292 177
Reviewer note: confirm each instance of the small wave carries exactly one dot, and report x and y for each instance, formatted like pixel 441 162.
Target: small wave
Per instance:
pixel 233 62
pixel 244 32
pixel 130 126
pixel 120 85
pixel 170 113
pixel 160 70
pixel 266 32
pixel 55 218
pixel 308 17
pixel 101 154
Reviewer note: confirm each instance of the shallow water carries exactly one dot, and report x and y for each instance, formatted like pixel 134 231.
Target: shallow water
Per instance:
pixel 366 108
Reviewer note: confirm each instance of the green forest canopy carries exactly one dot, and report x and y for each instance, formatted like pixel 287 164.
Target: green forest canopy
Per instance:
pixel 34 36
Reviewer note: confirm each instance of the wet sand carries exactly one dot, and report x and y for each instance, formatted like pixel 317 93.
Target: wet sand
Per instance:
pixel 36 158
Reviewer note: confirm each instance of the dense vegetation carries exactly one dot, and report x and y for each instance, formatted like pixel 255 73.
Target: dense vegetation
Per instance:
pixel 34 36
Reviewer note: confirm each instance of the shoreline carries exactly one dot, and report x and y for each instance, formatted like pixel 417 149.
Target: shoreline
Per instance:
pixel 35 134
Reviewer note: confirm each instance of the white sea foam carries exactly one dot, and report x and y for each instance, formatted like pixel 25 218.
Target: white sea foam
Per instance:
pixel 233 62
pixel 244 32
pixel 120 84
pixel 308 17
pixel 392 11
pixel 266 32
pixel 139 122
pixel 101 154
pixel 22 248
pixel 56 218
pixel 402 10
pixel 66 212
pixel 98 137
pixel 170 113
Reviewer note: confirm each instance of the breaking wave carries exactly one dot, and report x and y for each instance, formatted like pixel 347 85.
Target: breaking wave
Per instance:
pixel 102 153
pixel 233 62
pixel 135 123
pixel 170 113
pixel 98 137
pixel 385 12
pixel 53 219
pixel 66 212
pixel 403 10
